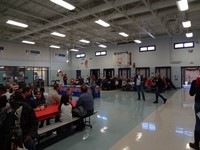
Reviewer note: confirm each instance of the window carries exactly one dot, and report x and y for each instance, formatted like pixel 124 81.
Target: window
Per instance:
pixel 82 55
pixel 147 48
pixel 100 53
pixel 181 45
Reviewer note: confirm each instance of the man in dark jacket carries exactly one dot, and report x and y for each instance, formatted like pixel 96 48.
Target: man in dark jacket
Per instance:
pixel 28 121
pixel 159 85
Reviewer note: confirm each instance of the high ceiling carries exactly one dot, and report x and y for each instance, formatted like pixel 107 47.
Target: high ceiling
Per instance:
pixel 138 18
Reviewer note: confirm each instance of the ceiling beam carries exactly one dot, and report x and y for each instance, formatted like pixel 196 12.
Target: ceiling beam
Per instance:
pixel 131 19
pixel 50 23
pixel 154 13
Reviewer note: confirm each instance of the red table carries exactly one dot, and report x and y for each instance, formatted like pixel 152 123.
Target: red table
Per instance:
pixel 47 112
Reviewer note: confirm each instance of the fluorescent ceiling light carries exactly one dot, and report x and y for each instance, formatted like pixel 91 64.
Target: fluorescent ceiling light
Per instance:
pixel 54 46
pixel 189 34
pixel 123 34
pixel 74 50
pixel 103 46
pixel 15 23
pixel 182 5
pixel 102 23
pixel 28 42
pixel 63 4
pixel 137 41
pixel 84 41
pixel 58 34
pixel 186 24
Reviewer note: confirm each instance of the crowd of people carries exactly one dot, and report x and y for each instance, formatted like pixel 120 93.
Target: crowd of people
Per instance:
pixel 18 109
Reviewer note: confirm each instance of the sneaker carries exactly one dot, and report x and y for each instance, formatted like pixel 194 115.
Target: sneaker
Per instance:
pixel 193 145
pixel 155 102
pixel 138 99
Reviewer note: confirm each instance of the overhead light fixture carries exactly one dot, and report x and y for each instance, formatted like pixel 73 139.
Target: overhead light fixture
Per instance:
pixel 137 41
pixel 102 46
pixel 123 34
pixel 102 23
pixel 189 35
pixel 74 50
pixel 84 41
pixel 15 23
pixel 28 42
pixel 182 5
pixel 186 24
pixel 63 4
pixel 58 34
pixel 54 46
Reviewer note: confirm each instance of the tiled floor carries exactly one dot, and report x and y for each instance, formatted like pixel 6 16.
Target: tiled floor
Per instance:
pixel 123 123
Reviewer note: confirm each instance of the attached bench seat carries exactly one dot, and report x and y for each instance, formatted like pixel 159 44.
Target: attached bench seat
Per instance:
pixel 57 125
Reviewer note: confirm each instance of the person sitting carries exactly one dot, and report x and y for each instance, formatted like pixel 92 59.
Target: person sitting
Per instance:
pixel 44 93
pixel 54 98
pixel 65 108
pixel 86 100
pixel 40 104
pixel 71 101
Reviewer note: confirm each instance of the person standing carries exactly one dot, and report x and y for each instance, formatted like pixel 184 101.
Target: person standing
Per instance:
pixel 159 84
pixel 93 86
pixel 139 82
pixel 28 120
pixel 195 90
pixel 65 79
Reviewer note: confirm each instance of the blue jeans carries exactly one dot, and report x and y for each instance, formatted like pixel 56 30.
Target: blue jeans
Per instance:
pixel 140 89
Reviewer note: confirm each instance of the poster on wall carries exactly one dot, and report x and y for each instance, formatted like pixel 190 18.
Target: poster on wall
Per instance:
pixel 60 55
pixel 33 52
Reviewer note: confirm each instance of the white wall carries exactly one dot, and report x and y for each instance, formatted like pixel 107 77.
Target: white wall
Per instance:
pixel 15 55
pixel 165 55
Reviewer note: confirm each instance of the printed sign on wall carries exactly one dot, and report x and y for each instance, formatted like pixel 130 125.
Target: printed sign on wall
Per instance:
pixel 33 52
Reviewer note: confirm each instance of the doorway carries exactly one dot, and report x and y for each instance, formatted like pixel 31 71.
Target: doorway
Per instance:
pixel 95 72
pixel 124 73
pixel 145 71
pixel 78 74
pixel 188 74
pixel 164 72
pixel 108 73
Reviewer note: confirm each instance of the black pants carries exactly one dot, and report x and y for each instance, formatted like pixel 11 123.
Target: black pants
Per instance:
pixel 5 133
pixel 158 94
